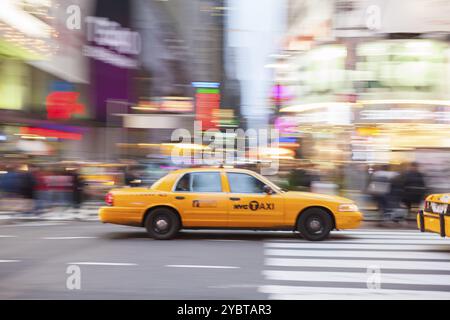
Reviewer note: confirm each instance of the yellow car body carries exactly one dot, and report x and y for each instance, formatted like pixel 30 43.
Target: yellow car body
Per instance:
pixel 435 217
pixel 226 201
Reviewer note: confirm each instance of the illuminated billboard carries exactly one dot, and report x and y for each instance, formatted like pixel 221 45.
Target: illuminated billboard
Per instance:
pixel 207 102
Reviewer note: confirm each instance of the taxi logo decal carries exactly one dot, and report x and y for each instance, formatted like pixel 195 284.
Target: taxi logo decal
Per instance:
pixel 255 205
pixel 204 203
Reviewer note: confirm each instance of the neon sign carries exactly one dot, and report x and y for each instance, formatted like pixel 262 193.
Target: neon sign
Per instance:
pixel 207 101
pixel 62 105
pixel 49 133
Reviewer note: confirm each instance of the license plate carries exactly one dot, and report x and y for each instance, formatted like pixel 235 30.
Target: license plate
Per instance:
pixel 439 207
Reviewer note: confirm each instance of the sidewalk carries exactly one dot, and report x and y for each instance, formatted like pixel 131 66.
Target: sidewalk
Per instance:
pixel 88 212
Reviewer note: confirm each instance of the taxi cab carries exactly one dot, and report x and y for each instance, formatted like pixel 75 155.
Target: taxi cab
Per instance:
pixel 223 198
pixel 435 217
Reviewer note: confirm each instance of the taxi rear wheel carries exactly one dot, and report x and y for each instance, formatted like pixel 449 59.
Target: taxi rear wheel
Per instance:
pixel 162 224
pixel 315 224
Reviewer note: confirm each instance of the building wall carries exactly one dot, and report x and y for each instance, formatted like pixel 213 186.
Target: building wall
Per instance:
pixel 254 31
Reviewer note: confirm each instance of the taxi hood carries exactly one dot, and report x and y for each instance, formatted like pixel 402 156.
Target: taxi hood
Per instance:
pixel 316 196
pixel 439 197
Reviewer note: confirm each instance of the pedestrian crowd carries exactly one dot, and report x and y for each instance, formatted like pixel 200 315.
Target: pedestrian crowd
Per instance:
pixel 397 189
pixel 32 189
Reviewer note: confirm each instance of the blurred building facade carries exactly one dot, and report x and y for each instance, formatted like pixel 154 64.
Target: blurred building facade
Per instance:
pixel 124 75
pixel 368 81
pixel 42 69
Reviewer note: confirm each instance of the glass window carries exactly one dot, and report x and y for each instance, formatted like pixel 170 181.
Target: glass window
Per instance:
pixel 244 183
pixel 184 183
pixel 200 182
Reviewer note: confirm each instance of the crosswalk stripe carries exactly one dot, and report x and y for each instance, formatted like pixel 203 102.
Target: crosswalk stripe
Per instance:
pixel 409 262
pixel 358 263
pixel 360 254
pixel 67 238
pixel 314 293
pixel 9 261
pixel 442 242
pixel 387 237
pixel 372 246
pixel 359 277
pixel 386 233
pixel 376 231
pixel 120 264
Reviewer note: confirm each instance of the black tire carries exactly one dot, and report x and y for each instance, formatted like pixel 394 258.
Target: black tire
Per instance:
pixel 162 224
pixel 315 224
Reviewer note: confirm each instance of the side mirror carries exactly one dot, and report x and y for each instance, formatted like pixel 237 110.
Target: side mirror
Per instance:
pixel 268 189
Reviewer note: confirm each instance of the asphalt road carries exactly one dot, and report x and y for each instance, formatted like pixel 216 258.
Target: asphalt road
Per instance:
pixel 118 262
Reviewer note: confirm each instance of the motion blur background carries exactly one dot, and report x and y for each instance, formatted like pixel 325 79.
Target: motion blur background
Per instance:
pixel 98 86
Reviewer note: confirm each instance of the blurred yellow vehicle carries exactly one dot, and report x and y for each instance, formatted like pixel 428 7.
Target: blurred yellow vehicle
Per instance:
pixel 226 198
pixel 98 178
pixel 435 217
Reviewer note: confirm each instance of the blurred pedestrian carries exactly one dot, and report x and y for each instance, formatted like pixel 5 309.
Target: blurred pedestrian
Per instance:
pixel 414 186
pixel 10 182
pixel 28 183
pixel 17 188
pixel 132 177
pixel 301 178
pixel 395 204
pixel 42 190
pixel 63 187
pixel 77 189
pixel 58 186
pixel 380 186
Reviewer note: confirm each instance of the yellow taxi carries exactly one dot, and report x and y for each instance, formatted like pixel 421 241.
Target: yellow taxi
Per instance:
pixel 435 217
pixel 222 198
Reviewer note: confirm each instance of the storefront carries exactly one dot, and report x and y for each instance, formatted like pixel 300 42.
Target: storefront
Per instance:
pixel 373 73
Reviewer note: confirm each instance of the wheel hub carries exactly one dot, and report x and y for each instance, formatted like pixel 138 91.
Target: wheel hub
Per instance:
pixel 161 224
pixel 315 225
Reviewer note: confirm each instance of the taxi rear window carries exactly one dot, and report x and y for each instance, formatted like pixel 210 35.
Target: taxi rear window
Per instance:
pixel 200 182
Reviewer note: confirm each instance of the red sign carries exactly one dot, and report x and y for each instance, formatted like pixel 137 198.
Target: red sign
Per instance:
pixel 51 133
pixel 61 105
pixel 206 104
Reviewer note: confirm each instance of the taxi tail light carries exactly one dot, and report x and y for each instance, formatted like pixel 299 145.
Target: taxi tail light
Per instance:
pixel 109 199
pixel 422 221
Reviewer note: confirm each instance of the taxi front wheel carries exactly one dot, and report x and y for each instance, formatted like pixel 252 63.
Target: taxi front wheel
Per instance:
pixel 162 224
pixel 315 224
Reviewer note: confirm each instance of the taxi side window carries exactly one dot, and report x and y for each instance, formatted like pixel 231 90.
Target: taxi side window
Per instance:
pixel 244 183
pixel 200 182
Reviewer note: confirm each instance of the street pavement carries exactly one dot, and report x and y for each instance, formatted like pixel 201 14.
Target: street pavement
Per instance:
pixel 37 261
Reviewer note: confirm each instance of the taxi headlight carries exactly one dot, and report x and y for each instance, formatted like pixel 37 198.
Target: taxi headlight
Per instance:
pixel 348 207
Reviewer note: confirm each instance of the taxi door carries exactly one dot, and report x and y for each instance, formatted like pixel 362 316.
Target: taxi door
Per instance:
pixel 200 199
pixel 249 205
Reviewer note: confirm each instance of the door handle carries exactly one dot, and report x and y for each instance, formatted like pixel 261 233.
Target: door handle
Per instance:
pixel 235 199
pixel 179 197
